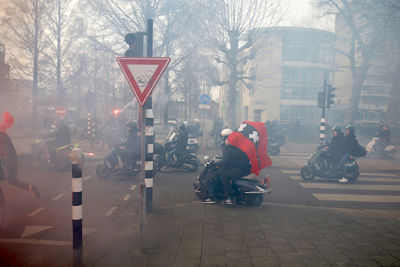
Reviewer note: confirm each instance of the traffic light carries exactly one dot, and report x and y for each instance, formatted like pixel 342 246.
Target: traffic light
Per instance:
pixel 321 99
pixel 135 42
pixel 330 96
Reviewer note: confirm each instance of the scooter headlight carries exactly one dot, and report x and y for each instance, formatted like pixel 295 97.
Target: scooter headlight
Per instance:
pixel 207 159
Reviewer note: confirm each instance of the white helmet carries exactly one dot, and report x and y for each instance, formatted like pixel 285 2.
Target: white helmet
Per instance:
pixel 225 133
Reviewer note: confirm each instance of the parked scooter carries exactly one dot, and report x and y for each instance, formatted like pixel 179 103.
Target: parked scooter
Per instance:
pixel 245 191
pixel 39 156
pixel 124 168
pixel 379 148
pixel 317 166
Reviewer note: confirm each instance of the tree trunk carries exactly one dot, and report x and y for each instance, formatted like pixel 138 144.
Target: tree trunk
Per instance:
pixel 167 98
pixel 392 114
pixel 358 83
pixel 35 67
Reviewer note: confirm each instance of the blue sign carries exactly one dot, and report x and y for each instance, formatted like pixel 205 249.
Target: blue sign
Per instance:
pixel 205 99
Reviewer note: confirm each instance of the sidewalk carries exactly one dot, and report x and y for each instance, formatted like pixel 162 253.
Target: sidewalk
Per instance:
pixel 184 232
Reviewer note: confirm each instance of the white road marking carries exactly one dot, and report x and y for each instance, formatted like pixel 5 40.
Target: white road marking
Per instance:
pixel 58 197
pixel 108 213
pixel 33 229
pixel 36 212
pixel 296 178
pixel 378 174
pixel 87 178
pixel 300 162
pixel 36 242
pixel 351 186
pixel 379 179
pixel 358 198
pixel 291 171
pixel 133 187
pixel 127 196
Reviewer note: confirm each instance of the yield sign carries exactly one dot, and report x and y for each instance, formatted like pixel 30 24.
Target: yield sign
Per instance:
pixel 143 74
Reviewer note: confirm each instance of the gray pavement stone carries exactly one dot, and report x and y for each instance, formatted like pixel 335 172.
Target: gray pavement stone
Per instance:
pixel 265 261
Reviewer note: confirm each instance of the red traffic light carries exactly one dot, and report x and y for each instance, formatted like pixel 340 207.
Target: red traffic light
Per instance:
pixel 116 111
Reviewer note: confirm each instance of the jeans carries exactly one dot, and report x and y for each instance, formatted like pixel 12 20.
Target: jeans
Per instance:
pixel 211 190
pixel 169 157
pixel 343 160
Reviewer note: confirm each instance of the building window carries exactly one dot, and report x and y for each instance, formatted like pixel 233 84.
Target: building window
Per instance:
pixel 257 114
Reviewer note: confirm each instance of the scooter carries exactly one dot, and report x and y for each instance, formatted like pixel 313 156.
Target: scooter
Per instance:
pixel 124 168
pixel 378 147
pixel 317 166
pixel 39 156
pixel 187 160
pixel 246 191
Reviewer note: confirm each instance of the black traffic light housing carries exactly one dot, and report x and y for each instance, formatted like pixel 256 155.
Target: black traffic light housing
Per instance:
pixel 135 42
pixel 330 96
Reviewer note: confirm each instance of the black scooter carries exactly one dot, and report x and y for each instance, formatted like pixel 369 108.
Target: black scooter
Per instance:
pixel 125 168
pixel 187 160
pixel 246 191
pixel 317 166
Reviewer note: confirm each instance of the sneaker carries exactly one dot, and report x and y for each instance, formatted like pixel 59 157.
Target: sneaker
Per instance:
pixel 34 190
pixel 344 180
pixel 227 201
pixel 209 201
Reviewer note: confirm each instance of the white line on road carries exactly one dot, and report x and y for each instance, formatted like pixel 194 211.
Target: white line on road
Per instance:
pixel 35 212
pixel 300 162
pixel 87 178
pixel 111 211
pixel 295 178
pixel 378 174
pixel 291 171
pixel 127 196
pixel 133 187
pixel 358 198
pixel 351 186
pixel 58 197
pixel 36 242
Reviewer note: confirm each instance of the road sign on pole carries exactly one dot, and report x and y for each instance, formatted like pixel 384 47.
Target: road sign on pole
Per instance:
pixel 143 74
pixel 61 111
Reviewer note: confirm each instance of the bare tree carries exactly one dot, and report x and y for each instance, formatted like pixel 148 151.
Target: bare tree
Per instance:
pixel 358 42
pixel 387 13
pixel 234 37
pixel 65 29
pixel 24 28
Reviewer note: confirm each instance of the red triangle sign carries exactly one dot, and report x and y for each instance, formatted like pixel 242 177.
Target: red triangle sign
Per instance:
pixel 143 74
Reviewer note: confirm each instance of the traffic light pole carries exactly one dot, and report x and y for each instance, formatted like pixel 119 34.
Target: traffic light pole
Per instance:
pixel 322 127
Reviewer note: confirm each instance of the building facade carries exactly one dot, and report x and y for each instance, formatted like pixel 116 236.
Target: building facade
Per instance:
pixel 290 67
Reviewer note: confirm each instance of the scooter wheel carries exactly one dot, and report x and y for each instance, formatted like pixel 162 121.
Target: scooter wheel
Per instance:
pixel 102 172
pixel 255 200
pixel 191 165
pixel 307 173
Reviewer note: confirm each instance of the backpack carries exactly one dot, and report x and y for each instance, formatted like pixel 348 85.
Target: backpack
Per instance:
pixel 360 151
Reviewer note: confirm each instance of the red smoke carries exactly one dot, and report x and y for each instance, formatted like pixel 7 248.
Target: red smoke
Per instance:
pixel 8 121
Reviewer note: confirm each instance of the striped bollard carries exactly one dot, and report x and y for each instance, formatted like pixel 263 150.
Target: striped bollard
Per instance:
pixel 149 166
pixel 89 124
pixel 322 129
pixel 76 159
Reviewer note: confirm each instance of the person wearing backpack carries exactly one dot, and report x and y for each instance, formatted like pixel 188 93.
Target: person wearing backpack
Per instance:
pixel 349 148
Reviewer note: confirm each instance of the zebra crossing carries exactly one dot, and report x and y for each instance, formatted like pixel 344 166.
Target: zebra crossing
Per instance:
pixel 371 186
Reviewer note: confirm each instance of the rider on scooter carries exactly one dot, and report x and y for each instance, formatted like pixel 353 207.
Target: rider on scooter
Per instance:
pixel 129 150
pixel 60 137
pixel 334 147
pixel 234 164
pixel 350 145
pixel 180 145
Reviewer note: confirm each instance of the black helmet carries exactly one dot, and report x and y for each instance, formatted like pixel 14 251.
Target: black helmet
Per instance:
pixel 182 127
pixel 350 128
pixel 337 129
pixel 130 38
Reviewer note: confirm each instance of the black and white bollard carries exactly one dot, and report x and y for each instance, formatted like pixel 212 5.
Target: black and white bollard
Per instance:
pixel 76 159
pixel 322 131
pixel 149 166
